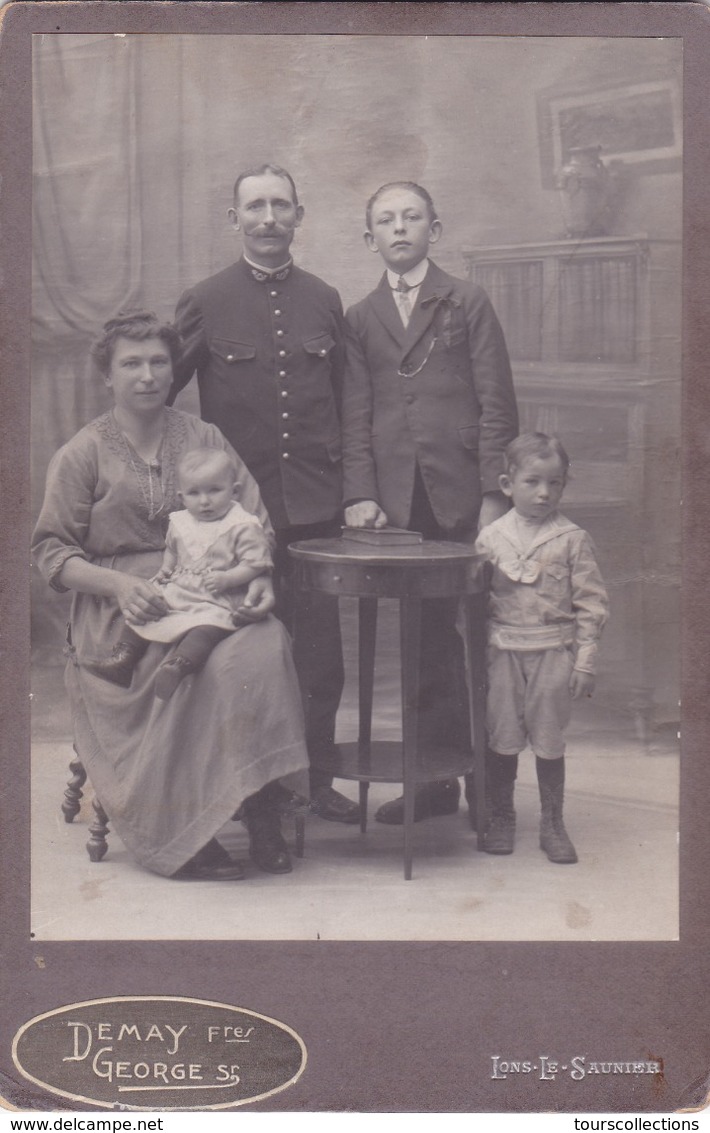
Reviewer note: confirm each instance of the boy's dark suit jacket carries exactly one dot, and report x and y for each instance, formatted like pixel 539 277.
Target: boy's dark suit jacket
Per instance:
pixel 438 393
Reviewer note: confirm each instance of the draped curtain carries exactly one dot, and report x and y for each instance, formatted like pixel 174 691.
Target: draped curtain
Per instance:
pixel 87 240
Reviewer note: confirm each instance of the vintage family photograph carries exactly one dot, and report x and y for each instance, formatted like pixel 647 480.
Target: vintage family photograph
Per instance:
pixel 355 436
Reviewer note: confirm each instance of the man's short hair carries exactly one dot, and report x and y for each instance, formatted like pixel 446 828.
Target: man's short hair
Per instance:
pixel 259 171
pixel 412 187
pixel 534 446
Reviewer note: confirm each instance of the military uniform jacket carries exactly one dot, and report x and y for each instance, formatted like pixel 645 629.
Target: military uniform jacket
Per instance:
pixel 269 356
pixel 437 393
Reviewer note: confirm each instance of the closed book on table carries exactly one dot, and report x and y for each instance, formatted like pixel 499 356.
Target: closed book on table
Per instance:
pixel 382 536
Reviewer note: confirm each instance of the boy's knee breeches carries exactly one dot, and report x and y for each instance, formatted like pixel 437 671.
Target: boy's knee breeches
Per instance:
pixel 529 700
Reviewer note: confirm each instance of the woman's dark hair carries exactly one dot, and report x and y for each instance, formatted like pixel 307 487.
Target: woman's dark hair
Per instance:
pixel 137 325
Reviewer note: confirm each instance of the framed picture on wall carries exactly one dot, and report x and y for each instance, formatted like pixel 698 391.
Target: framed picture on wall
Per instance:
pixel 638 126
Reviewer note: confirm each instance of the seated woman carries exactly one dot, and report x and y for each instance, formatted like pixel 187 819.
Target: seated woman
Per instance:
pixel 169 773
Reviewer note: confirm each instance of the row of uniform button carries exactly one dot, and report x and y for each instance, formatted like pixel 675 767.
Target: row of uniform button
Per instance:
pixel 282 374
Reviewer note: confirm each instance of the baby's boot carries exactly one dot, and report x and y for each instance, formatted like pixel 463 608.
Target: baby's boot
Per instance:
pixel 170 673
pixel 119 665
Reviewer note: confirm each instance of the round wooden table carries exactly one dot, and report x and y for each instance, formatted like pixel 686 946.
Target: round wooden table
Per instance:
pixel 409 573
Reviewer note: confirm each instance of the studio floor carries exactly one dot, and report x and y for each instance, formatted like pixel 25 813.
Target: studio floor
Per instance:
pixel 621 812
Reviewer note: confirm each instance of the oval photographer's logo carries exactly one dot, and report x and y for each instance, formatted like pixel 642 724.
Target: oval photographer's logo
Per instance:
pixel 158 1052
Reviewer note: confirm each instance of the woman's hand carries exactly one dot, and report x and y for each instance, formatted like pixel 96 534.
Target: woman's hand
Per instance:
pixel 139 601
pixel 259 601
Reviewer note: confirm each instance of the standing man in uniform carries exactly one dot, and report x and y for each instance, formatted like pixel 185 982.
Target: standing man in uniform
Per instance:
pixel 266 340
pixel 428 410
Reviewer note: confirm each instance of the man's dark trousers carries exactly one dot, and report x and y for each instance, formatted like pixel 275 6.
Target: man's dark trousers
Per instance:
pixel 313 621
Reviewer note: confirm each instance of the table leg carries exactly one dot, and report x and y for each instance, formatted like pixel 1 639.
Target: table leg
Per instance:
pixel 367 636
pixel 475 644
pixel 410 633
pixel 363 790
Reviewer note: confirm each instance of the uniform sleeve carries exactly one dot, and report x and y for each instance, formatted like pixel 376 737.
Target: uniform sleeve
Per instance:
pixel 63 523
pixel 359 473
pixel 590 603
pixel 493 385
pixel 194 351
pixel 247 492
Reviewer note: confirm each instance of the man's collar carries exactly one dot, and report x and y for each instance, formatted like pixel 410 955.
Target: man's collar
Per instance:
pixel 414 277
pixel 264 275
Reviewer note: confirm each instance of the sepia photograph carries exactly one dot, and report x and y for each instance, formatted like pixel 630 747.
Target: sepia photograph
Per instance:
pixel 172 185
pixel 354 687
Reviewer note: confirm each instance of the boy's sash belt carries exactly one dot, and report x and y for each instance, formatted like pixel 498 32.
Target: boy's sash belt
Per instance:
pixel 530 638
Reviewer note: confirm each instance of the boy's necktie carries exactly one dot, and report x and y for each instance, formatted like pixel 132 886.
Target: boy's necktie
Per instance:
pixel 403 298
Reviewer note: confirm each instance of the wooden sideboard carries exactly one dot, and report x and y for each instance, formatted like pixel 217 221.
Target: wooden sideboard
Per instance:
pixel 593 331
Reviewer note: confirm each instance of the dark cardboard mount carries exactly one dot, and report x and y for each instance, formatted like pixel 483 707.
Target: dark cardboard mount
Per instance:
pixel 387 1026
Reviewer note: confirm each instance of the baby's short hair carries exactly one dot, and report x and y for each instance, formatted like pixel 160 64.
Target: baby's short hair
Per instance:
pixel 411 186
pixel 532 446
pixel 195 460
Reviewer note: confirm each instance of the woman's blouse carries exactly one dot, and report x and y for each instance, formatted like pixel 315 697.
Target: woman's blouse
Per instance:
pixel 103 500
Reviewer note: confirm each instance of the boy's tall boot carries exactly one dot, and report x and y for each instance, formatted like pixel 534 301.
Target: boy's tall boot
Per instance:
pixel 501 773
pixel 554 839
pixel 472 800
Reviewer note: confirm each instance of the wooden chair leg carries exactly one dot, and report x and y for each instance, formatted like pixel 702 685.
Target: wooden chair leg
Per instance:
pixel 73 793
pixel 97 844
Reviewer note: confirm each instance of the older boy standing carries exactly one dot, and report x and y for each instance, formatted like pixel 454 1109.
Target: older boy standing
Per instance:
pixel 428 410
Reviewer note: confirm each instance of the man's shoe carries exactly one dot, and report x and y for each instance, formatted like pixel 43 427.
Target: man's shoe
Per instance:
pixel 119 665
pixel 330 804
pixel 287 802
pixel 430 799
pixel 170 673
pixel 211 863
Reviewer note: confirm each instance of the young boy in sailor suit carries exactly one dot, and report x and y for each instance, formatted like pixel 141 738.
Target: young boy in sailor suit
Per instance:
pixel 547 607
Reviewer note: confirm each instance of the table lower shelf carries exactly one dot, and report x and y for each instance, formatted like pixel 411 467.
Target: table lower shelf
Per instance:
pixel 382 762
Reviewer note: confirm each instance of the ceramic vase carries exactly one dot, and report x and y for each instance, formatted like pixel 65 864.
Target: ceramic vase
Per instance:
pixel 584 188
